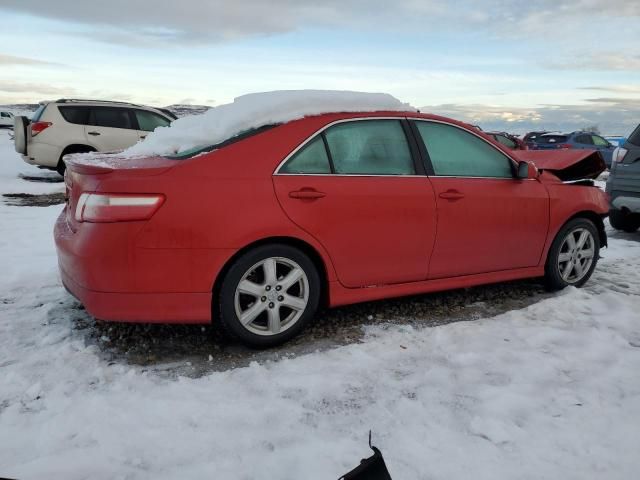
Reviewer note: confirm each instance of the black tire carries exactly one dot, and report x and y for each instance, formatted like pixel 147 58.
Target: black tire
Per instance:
pixel 553 277
pixel 61 166
pixel 627 222
pixel 226 301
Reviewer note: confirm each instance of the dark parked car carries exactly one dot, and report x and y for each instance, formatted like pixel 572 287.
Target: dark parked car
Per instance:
pixel 531 137
pixel 575 140
pixel 623 185
pixel 508 140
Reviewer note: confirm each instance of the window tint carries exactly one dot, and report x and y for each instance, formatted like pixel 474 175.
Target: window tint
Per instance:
pixel 585 139
pixel 149 121
pixel 312 158
pixel 78 115
pixel 110 117
pixel 506 141
pixel 370 147
pixel 551 139
pixel 455 152
pixel 599 141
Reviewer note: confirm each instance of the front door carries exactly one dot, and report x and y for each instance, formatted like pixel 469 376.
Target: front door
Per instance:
pixel 362 200
pixel 488 220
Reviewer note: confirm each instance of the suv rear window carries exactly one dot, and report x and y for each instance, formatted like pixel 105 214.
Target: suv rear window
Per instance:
pixel 551 139
pixel 635 137
pixel 77 115
pixel 38 113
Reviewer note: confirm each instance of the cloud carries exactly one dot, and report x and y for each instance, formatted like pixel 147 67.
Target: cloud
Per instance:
pixel 34 88
pixel 149 22
pixel 630 89
pixel 12 60
pixel 613 116
pixel 602 60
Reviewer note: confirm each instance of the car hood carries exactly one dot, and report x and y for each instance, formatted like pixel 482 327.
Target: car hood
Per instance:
pixel 567 165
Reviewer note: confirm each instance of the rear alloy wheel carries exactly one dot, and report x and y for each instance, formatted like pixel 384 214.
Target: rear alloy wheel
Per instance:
pixel 269 295
pixel 573 255
pixel 620 220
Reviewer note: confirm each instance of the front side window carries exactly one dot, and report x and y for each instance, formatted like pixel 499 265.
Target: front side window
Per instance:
pixel 599 141
pixel 149 121
pixel 110 117
pixel 455 152
pixel 312 158
pixel 370 147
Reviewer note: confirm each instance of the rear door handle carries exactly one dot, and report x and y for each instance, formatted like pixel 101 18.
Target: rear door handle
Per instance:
pixel 95 134
pixel 306 194
pixel 452 195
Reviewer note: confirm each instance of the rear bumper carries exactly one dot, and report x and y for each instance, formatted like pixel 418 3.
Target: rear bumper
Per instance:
pixel 141 307
pixel 42 154
pixel 100 266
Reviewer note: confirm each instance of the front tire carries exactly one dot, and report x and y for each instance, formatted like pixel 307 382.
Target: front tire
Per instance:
pixel 269 295
pixel 573 255
pixel 624 221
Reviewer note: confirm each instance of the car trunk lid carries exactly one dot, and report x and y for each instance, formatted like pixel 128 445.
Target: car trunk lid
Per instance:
pixel 567 165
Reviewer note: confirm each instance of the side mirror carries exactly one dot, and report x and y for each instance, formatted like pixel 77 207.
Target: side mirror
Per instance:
pixel 527 170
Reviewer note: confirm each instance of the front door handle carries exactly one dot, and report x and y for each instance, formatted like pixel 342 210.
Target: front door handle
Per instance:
pixel 452 195
pixel 95 134
pixel 306 194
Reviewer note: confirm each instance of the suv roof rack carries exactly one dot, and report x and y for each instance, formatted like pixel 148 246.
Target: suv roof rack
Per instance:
pixel 71 100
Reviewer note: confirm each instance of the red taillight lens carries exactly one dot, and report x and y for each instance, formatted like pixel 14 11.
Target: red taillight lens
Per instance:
pixel 116 207
pixel 619 154
pixel 565 146
pixel 37 127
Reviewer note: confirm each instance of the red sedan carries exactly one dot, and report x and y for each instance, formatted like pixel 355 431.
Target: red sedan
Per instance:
pixel 258 232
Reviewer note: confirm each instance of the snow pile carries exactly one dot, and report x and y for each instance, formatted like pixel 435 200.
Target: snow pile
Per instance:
pixel 256 110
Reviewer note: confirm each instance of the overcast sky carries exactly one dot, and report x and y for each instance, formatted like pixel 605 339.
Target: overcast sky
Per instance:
pixel 511 65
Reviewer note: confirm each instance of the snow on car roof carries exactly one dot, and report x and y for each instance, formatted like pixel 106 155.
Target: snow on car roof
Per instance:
pixel 255 110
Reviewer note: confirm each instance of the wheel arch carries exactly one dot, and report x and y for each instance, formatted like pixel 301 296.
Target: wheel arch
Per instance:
pixel 77 148
pixel 598 221
pixel 301 245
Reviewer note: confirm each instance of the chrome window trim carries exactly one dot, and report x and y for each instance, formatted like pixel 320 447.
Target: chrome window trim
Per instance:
pixel 356 119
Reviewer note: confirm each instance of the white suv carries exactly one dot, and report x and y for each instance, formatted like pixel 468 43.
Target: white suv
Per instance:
pixel 75 126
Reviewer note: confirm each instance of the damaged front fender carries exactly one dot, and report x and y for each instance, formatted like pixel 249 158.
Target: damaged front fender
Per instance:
pixel 567 165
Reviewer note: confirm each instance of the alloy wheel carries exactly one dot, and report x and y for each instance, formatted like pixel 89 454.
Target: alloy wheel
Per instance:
pixel 576 255
pixel 271 296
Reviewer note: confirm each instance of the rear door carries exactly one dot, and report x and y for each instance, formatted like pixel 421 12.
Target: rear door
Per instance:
pixel 111 128
pixel 356 188
pixel 487 220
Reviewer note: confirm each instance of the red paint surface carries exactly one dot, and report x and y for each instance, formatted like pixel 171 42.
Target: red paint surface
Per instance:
pixel 375 236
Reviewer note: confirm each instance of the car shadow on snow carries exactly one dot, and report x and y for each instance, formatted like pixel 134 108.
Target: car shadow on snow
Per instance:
pixel 195 350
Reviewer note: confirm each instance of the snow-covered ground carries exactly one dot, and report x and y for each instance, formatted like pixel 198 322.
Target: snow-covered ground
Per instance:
pixel 550 391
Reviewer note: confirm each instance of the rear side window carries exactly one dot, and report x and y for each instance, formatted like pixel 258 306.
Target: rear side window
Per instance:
pixel 5 115
pixel 370 147
pixel 312 158
pixel 149 121
pixel 77 115
pixel 457 153
pixel 110 117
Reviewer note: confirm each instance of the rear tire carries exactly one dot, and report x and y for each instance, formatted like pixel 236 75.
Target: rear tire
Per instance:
pixel 620 220
pixel 268 296
pixel 61 166
pixel 573 255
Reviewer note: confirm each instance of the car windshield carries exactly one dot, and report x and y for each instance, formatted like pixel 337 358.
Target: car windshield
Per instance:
pixel 193 152
pixel 635 137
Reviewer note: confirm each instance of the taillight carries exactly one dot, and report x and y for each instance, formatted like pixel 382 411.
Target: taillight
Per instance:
pixel 37 127
pixel 116 207
pixel 565 146
pixel 619 154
